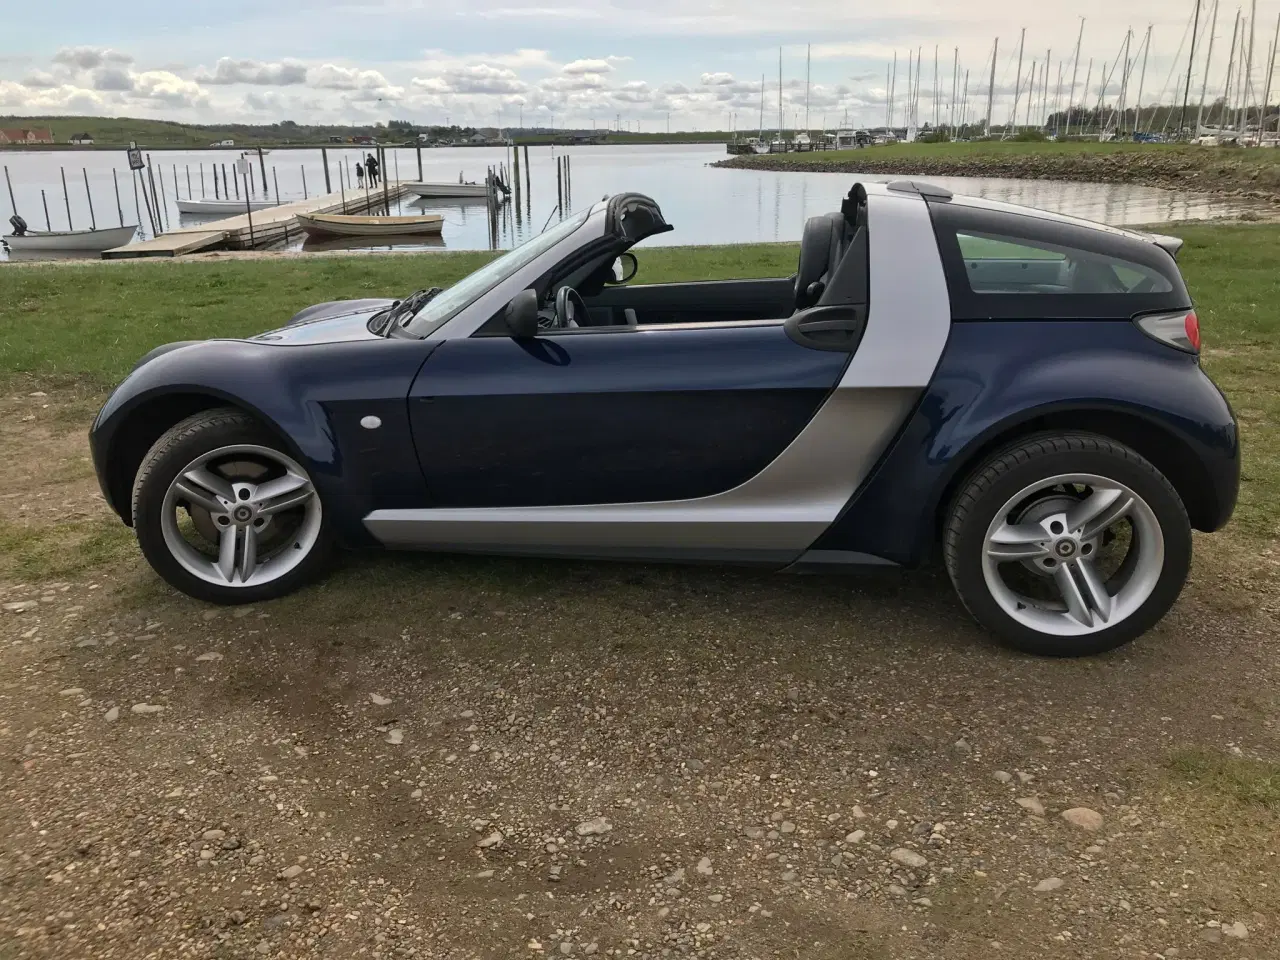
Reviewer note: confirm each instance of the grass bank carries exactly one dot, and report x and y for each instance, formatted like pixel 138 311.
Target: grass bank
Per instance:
pixel 1219 170
pixel 90 322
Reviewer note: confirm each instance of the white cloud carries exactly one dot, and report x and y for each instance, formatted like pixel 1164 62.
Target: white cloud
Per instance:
pixel 587 66
pixel 333 77
pixel 87 58
pixel 55 100
pixel 480 78
pixel 717 79
pixel 256 72
pixel 169 89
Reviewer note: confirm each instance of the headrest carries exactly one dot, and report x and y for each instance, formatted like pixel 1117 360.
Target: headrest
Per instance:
pixel 820 249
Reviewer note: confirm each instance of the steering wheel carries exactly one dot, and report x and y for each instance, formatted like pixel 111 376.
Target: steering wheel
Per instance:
pixel 571 309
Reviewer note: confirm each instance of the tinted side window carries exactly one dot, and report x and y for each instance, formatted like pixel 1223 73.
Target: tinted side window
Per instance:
pixel 1003 266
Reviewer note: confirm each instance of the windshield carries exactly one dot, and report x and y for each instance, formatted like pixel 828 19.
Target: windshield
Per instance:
pixel 473 286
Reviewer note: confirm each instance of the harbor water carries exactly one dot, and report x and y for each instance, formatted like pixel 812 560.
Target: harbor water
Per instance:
pixel 707 205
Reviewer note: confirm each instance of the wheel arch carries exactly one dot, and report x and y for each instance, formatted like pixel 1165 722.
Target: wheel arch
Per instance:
pixel 1162 447
pixel 148 420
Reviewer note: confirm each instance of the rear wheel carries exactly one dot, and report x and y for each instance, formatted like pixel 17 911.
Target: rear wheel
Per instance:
pixel 224 515
pixel 1067 545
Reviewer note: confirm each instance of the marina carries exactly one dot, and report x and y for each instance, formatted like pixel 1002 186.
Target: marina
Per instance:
pixel 710 206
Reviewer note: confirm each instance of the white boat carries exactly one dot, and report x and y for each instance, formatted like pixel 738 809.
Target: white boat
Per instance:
pixel 344 225
pixel 802 142
pixel 778 146
pixel 757 145
pixel 227 208
pixel 80 241
pixel 448 189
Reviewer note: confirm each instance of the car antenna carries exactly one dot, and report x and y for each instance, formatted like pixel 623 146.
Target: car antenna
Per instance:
pixel 549 216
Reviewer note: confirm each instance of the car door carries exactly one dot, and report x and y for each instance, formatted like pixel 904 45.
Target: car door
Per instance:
pixel 613 415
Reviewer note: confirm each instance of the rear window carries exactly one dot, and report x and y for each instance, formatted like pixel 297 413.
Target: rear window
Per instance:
pixel 1003 266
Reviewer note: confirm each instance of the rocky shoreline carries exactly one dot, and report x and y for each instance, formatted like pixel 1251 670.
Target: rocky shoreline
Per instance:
pixel 1222 172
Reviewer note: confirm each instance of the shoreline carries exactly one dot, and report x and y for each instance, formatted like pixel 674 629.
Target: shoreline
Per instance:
pixel 1228 173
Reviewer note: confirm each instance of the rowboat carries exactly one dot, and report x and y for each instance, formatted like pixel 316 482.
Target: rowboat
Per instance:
pixel 478 190
pixel 226 208
pixel 343 225
pixel 85 241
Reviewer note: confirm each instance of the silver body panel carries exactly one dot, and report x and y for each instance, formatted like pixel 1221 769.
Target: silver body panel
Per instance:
pixel 774 516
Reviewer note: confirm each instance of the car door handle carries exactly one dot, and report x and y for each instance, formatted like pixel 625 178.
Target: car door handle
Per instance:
pixel 837 327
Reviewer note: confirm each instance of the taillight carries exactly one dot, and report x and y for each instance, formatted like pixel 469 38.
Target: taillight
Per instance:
pixel 1180 330
pixel 1192 325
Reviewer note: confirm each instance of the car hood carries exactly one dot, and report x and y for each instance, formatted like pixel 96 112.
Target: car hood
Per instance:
pixel 331 322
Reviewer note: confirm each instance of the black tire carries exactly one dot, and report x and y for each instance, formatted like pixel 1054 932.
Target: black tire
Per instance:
pixel 1020 465
pixel 182 443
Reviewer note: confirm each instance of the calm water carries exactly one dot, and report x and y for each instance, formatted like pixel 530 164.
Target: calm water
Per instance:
pixel 707 205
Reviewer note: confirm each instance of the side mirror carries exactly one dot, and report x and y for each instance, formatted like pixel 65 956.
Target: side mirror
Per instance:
pixel 522 314
pixel 624 268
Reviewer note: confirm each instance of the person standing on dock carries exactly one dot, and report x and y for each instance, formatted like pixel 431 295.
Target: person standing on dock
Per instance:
pixel 371 165
pixel 359 174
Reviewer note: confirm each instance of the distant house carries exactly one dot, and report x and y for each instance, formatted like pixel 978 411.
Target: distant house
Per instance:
pixel 81 139
pixel 223 143
pixel 26 135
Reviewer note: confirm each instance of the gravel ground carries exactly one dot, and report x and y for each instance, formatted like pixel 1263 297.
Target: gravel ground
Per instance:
pixel 430 757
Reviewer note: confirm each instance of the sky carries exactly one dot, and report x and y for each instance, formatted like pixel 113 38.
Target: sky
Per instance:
pixel 645 64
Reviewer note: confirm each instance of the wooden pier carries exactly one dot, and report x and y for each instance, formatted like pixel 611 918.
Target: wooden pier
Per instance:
pixel 269 226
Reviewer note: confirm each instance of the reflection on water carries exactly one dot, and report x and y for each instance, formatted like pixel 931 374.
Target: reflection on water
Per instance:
pixel 707 205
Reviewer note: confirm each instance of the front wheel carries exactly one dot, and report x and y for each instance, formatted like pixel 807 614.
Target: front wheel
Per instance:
pixel 1067 545
pixel 224 515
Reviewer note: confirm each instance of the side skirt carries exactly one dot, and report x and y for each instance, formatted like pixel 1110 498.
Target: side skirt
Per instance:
pixel 774 516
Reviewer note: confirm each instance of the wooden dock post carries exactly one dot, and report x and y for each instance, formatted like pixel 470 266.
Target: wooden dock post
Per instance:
pixel 276 182
pixel 45 200
pixel 527 191
pixel 382 173
pixel 342 185
pixel 163 198
pixel 176 196
pixel 263 164
pixel 66 197
pixel 93 220
pixel 248 206
pixel 250 187
pixel 305 196
pixel 115 182
pixel 189 196
pixel 235 181
pixel 202 181
pixel 324 158
pixel 559 186
pixel 419 163
pixel 217 190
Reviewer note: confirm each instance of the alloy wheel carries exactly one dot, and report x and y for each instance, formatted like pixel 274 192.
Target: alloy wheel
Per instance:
pixel 1073 554
pixel 241 516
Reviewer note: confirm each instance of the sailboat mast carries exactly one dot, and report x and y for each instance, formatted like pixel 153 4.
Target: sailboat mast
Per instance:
pixel 935 86
pixel 1208 60
pixel 1142 77
pixel 1017 82
pixel 991 88
pixel 1124 80
pixel 1271 69
pixel 760 132
pixel 964 101
pixel 1231 66
pixel 915 109
pixel 1088 75
pixel 955 89
pixel 1186 91
pixel 1075 68
pixel 1247 87
pixel 1057 102
pixel 780 134
pixel 808 60
pixel 893 87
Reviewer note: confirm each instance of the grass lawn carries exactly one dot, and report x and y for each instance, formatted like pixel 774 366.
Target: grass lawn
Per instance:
pixel 90 322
